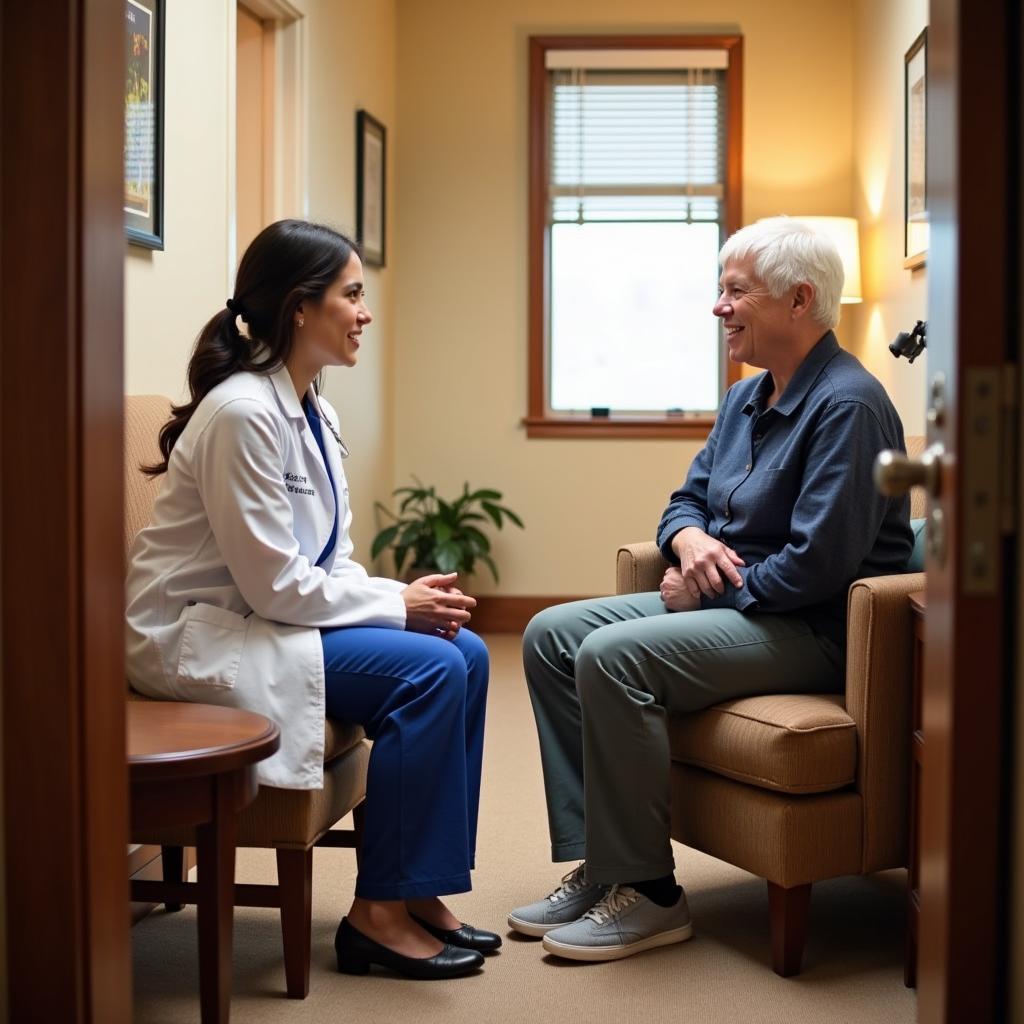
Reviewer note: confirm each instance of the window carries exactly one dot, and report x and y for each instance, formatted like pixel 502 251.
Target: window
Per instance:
pixel 634 185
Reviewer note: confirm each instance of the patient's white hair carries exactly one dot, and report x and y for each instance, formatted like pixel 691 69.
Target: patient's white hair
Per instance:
pixel 787 252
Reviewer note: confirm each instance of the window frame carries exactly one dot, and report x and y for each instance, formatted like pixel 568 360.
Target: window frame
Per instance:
pixel 539 421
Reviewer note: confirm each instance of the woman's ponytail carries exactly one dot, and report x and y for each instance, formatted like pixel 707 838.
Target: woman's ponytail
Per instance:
pixel 220 350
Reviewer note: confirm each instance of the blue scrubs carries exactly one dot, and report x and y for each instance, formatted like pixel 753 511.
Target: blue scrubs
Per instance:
pixel 421 699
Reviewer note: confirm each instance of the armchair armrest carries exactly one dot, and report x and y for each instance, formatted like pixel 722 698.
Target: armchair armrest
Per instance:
pixel 639 568
pixel 879 687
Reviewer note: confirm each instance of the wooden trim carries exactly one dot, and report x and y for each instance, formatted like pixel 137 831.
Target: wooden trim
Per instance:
pixel 538 251
pixel 539 422
pixel 975 212
pixel 61 523
pixel 273 10
pixel 621 427
pixel 734 155
pixel 244 894
pixel 511 614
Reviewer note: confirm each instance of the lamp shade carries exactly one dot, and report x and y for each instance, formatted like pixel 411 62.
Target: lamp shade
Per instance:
pixel 842 231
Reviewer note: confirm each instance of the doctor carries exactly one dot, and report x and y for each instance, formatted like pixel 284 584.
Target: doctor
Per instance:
pixel 243 591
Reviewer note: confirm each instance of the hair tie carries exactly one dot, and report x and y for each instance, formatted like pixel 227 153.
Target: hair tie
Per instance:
pixel 234 307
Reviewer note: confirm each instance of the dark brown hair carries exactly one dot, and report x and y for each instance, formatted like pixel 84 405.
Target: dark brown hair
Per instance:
pixel 288 262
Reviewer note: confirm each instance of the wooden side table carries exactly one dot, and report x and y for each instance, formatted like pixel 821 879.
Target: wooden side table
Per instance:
pixel 195 764
pixel 917 609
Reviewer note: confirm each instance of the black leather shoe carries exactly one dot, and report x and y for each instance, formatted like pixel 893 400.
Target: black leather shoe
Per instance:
pixel 465 936
pixel 357 951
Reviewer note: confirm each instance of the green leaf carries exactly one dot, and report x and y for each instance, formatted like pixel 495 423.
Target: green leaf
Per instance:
pixel 411 535
pixel 382 540
pixel 489 562
pixel 493 513
pixel 481 541
pixel 448 556
pixel 486 494
pixel 511 515
pixel 442 531
pixel 400 554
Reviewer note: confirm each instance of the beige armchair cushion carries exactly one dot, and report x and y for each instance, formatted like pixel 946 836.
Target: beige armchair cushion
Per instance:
pixel 802 743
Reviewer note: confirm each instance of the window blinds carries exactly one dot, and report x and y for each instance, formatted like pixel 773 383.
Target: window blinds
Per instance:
pixel 641 145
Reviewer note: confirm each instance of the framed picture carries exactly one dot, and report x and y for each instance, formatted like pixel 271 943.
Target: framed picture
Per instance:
pixel 144 123
pixel 915 188
pixel 371 212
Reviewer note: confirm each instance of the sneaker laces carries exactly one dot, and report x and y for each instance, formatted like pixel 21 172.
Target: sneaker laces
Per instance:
pixel 618 898
pixel 571 884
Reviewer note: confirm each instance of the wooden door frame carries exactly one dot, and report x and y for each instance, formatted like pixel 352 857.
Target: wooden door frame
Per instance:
pixel 973 270
pixel 62 579
pixel 286 107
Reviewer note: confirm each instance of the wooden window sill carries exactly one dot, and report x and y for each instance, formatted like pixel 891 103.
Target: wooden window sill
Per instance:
pixel 623 427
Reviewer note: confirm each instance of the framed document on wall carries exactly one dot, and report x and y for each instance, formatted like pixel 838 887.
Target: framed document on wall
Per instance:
pixel 144 123
pixel 371 182
pixel 915 193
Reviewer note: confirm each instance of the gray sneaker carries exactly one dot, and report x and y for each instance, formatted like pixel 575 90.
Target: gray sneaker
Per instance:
pixel 621 924
pixel 569 901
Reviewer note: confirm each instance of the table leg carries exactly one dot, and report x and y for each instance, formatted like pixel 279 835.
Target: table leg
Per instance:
pixel 215 860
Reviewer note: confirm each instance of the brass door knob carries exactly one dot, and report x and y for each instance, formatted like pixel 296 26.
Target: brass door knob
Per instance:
pixel 896 473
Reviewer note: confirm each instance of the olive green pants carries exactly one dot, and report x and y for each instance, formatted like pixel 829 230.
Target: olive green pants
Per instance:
pixel 604 675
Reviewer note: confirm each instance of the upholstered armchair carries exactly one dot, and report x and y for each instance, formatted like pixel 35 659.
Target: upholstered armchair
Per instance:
pixel 797 788
pixel 289 821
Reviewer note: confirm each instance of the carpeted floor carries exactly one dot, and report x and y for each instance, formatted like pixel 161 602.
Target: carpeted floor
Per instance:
pixel 853 966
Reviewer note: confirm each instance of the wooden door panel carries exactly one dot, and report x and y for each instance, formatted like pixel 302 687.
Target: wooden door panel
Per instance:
pixel 972 272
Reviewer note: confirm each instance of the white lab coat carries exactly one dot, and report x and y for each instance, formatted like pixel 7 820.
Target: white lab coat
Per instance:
pixel 225 600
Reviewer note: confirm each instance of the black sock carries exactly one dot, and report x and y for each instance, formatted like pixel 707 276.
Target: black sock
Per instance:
pixel 662 891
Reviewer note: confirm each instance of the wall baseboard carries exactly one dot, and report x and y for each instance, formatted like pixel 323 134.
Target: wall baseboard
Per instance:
pixel 497 614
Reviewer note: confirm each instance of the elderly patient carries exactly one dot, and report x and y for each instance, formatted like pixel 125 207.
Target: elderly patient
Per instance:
pixel 776 517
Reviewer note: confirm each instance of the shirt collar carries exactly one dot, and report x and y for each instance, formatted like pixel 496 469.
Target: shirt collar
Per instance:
pixel 803 380
pixel 282 381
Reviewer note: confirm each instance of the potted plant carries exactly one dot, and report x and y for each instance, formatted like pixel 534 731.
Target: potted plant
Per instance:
pixel 442 536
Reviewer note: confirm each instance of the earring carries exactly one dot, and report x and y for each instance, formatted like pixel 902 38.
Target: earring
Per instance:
pixel 301 322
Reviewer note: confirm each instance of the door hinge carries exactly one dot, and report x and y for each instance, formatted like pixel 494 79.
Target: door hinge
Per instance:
pixel 1009 447
pixel 986 489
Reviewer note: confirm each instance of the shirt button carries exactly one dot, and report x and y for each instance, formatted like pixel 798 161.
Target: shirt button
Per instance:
pixel 747 467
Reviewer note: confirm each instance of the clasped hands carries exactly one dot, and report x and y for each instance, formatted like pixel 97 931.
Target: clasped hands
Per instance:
pixel 703 561
pixel 434 605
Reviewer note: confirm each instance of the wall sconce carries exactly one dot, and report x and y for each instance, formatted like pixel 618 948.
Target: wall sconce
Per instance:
pixel 843 231
pixel 910 344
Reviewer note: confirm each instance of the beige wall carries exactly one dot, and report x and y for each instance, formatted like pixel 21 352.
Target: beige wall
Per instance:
pixel 895 298
pixel 460 323
pixel 352 66
pixel 170 294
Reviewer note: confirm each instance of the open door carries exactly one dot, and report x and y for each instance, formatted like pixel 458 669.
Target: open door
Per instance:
pixel 973 323
pixel 65 899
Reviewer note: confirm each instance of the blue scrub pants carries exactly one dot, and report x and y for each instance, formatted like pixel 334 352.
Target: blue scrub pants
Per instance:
pixel 421 699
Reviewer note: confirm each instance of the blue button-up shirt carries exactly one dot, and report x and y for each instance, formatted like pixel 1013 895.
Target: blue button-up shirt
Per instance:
pixel 790 489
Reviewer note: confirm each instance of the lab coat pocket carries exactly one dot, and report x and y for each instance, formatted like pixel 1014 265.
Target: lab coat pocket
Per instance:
pixel 211 646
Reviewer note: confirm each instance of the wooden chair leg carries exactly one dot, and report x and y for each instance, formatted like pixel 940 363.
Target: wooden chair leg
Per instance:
pixel 789 908
pixel 173 858
pixel 295 879
pixel 215 860
pixel 358 823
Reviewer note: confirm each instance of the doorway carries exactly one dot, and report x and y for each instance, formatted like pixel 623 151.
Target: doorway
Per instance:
pixel 270 119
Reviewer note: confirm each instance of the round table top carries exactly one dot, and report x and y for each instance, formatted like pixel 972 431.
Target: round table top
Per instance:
pixel 168 739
